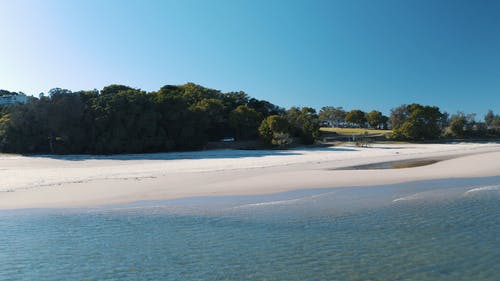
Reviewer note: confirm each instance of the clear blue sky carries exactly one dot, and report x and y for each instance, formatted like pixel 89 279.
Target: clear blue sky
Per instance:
pixel 356 54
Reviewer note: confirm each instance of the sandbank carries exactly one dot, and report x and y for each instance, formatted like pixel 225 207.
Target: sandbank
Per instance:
pixel 49 181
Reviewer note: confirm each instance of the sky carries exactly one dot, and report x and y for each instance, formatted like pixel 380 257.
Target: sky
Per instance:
pixel 358 54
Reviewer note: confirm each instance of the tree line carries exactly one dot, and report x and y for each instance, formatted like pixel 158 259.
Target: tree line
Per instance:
pixel 121 119
pixel 415 122
pixel 338 117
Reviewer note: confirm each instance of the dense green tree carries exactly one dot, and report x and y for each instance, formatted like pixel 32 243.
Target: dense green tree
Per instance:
pixel 121 119
pixel 457 125
pixel 212 115
pixel 24 128
pixel 65 112
pixel 398 116
pixel 245 122
pixel 180 125
pixel 304 124
pixel 376 119
pixel 115 89
pixel 334 116
pixel 274 125
pixel 126 122
pixel 50 124
pixel 85 96
pixel 464 125
pixel 356 117
pixel 196 93
pixel 422 123
pixel 265 108
pixel 234 99
pixel 172 90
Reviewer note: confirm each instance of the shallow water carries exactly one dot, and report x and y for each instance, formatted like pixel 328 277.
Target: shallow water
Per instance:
pixel 434 230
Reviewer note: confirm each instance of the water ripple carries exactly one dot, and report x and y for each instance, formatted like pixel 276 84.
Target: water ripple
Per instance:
pixel 306 237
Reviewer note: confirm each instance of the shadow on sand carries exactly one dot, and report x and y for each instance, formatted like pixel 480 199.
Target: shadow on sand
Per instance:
pixel 203 154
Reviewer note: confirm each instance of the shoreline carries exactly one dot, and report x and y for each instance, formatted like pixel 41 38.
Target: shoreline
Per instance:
pixel 49 181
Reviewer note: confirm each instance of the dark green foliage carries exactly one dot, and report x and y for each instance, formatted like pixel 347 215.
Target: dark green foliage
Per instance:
pixel 245 122
pixel 114 89
pixel 63 125
pixel 418 122
pixel 273 125
pixel 464 125
pixel 304 124
pixel 181 126
pixel 299 123
pixel 196 93
pixel 235 99
pixel 376 120
pixel 121 119
pixel 125 121
pixel 23 128
pixel 356 117
pixel 213 117
pixel 398 116
pixel 265 108
pixel 457 125
pixel 7 93
pixel 334 116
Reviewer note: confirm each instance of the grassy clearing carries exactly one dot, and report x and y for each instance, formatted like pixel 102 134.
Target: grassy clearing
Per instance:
pixel 354 131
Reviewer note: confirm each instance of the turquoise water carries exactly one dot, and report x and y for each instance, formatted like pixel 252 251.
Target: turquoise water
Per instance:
pixel 434 230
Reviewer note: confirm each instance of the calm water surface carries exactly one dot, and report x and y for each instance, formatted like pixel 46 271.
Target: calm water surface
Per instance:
pixel 434 230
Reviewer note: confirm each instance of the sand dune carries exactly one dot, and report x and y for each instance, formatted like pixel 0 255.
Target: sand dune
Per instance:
pixel 83 180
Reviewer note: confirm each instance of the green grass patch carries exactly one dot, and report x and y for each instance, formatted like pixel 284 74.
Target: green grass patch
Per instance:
pixel 354 131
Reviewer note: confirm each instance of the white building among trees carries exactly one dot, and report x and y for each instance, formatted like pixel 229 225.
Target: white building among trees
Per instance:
pixel 12 99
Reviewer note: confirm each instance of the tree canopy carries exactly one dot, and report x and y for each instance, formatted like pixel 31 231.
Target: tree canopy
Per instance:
pixel 122 119
pixel 334 116
pixel 376 119
pixel 417 122
pixel 304 124
pixel 357 117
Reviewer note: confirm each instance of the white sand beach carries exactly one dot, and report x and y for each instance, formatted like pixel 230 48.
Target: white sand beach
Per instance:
pixel 47 181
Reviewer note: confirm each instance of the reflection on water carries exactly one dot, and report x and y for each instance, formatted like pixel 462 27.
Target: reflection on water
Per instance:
pixel 435 230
